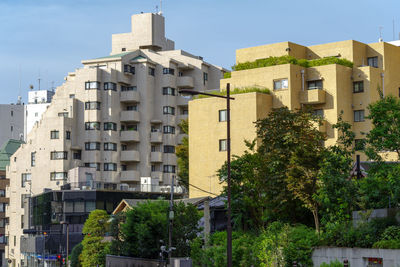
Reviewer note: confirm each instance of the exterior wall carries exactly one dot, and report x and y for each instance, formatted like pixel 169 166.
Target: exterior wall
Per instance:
pixel 12 119
pixel 356 256
pixel 3 184
pixel 335 96
pixel 67 113
pixel 205 131
pixel 38 101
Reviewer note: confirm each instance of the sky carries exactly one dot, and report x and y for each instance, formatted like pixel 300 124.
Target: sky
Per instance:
pixel 49 38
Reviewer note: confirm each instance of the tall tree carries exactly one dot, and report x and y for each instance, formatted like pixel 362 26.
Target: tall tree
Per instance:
pixel 182 153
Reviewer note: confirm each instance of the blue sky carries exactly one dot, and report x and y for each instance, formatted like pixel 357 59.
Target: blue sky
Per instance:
pixel 52 37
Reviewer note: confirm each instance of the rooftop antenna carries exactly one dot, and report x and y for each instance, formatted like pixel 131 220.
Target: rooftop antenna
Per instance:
pixel 160 13
pixel 380 34
pixel 19 89
pixel 52 86
pixel 157 9
pixel 393 31
pixel 39 79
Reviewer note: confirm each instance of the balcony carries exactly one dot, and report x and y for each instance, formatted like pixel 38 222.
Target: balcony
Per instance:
pixel 184 82
pixel 130 115
pixel 129 136
pixel 158 175
pixel 156 137
pixel 316 96
pixel 129 96
pixel 130 176
pixel 156 157
pixel 130 155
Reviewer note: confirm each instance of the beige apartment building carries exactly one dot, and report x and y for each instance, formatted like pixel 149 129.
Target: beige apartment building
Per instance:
pixel 329 89
pixel 118 114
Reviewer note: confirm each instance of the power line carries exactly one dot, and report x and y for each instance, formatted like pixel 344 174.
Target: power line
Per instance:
pixel 203 190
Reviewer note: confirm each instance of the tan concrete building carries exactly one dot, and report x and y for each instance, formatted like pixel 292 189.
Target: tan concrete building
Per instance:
pixel 329 89
pixel 118 114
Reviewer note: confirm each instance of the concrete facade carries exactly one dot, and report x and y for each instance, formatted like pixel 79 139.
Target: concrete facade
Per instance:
pixel 328 89
pixel 12 117
pixel 38 101
pixel 118 114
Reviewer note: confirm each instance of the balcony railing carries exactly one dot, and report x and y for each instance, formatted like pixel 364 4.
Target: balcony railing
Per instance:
pixel 316 96
pixel 129 136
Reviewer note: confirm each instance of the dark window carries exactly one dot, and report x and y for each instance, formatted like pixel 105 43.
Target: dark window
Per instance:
pixel 169 149
pixel 359 144
pixel 223 115
pixel 168 110
pixel 12 113
pixel 317 84
pixel 92 105
pixel 222 145
pixel 205 77
pixel 95 125
pixel 169 129
pixel 358 87
pixel 63 114
pixel 168 71
pixel 124 147
pixel 124 167
pixel 373 61
pixel 92 85
pixel 68 135
pixel 110 126
pixel 54 134
pixel 168 91
pixel 33 159
pixel 55 155
pixel 110 86
pixel 169 168
pixel 110 166
pixel 132 107
pixel 152 71
pixel 129 69
pixel 25 177
pixel 153 168
pixel 92 146
pixel 77 154
pixel 154 149
pixel 358 115
pixel 123 49
pixel 128 88
pixel 110 146
pixel 93 165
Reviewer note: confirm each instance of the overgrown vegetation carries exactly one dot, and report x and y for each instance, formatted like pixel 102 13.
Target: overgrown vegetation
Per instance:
pixel 242 90
pixel 227 75
pixel 182 154
pixel 272 61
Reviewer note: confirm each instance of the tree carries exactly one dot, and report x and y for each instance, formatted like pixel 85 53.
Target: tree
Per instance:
pixel 293 148
pixel 182 153
pixel 117 244
pixel 94 229
pixel 147 224
pixel 75 253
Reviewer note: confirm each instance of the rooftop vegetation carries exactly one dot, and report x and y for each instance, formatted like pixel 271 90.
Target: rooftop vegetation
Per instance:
pixel 272 61
pixel 227 75
pixel 241 90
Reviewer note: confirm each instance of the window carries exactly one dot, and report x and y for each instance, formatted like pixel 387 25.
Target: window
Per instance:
pixel 129 69
pixel 110 166
pixel 93 165
pixel 12 113
pixel 205 77
pixel 168 91
pixel 72 96
pixel 25 177
pixel 169 168
pixel 124 167
pixel 68 135
pixel 222 145
pixel 169 149
pixel 54 134
pixel 152 71
pixel 2 224
pixel 358 115
pixel 124 147
pixel 95 125
pixel 56 155
pixel 33 159
pixel 110 126
pixel 132 127
pixel 77 154
pixel 58 176
pixel 180 73
pixel 132 107
pixel 2 193
pixel 154 149
pixel 110 146
pixel 12 128
pixel 373 61
pixel 311 85
pixel 281 84
pixel 92 105
pixel 154 129
pixel 128 88
pixel 359 144
pixel 92 85
pixel 223 115
pixel 319 112
pixel 63 114
pixel 110 86
pixel 168 110
pixel 185 111
pixel 169 129
pixel 358 87
pixel 153 168
pixel 92 146
pixel 168 71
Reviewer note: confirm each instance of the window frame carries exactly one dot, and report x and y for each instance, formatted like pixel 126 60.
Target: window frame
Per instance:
pixel 59 155
pixel 152 71
pixel 357 115
pixel 223 145
pixel 106 166
pixel 53 176
pixel 109 146
pixel 55 134
pixel 89 125
pixel 169 169
pixel 169 91
pixel 89 85
pixel 92 105
pixel 374 61
pixel 281 84
pixel 222 118
pixel 168 110
pixel 168 129
pixel 33 159
pixel 358 88
pixel 107 128
pixel 110 86
pixel 319 84
pixel 169 71
pixel 169 149
pixel 90 146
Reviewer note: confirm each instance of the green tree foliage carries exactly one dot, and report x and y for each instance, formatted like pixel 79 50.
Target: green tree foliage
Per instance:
pixel 94 229
pixel 75 254
pixel 182 153
pixel 147 224
pixel 117 244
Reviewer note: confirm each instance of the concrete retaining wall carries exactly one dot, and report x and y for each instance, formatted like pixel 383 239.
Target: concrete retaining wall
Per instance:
pixel 357 257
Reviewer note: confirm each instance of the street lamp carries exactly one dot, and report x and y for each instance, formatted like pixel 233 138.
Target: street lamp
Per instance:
pixel 228 150
pixel 67 224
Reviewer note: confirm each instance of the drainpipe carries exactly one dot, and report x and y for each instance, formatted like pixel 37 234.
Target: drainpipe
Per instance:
pixel 358 168
pixel 383 84
pixel 302 80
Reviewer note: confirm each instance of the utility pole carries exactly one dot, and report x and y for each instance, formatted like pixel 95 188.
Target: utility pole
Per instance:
pixel 171 219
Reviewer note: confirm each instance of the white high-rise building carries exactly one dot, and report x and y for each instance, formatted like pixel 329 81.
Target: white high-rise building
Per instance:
pixel 118 114
pixel 38 101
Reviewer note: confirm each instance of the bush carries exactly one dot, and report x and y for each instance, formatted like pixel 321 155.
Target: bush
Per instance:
pixel 390 238
pixel 75 253
pixel 334 263
pixel 227 75
pixel 388 244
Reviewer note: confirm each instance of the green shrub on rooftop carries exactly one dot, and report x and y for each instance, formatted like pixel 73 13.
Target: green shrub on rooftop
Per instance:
pixel 273 61
pixel 236 91
pixel 227 75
